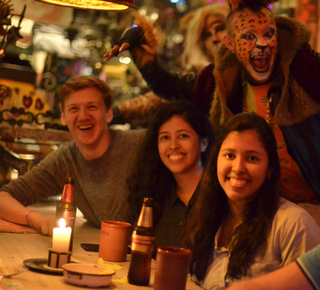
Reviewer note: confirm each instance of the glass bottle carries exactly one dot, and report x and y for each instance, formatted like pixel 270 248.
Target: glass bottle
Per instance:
pixel 143 238
pixel 66 208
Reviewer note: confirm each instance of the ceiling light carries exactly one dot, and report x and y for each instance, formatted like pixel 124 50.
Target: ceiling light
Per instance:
pixel 110 5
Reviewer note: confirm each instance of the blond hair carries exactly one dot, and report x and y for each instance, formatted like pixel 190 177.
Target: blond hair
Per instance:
pixel 78 83
pixel 193 55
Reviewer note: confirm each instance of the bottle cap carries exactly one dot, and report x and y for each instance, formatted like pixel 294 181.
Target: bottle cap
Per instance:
pixel 148 201
pixel 69 180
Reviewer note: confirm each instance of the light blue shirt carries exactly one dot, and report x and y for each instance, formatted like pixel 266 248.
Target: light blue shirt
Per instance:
pixel 310 266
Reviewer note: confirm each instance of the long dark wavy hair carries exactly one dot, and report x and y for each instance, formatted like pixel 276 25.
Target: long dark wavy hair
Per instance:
pixel 150 177
pixel 212 206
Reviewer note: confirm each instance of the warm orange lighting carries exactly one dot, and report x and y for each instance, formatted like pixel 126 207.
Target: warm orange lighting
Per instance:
pixel 62 223
pixel 110 5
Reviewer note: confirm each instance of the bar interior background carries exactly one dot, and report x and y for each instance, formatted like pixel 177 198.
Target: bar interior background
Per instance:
pixel 59 41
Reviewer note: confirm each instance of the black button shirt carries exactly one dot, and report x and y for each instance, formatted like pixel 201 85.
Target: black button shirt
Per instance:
pixel 171 226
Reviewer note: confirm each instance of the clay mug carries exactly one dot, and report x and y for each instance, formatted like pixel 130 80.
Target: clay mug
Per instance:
pixel 172 267
pixel 114 240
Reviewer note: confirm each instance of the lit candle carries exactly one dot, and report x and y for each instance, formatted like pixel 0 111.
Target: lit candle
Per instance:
pixel 61 237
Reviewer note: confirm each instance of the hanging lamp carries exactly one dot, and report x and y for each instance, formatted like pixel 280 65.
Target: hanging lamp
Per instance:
pixel 110 5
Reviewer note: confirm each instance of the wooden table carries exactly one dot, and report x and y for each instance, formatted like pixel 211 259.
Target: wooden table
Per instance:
pixel 17 247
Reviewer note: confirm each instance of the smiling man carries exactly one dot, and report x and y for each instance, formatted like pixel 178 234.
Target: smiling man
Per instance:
pixel 98 158
pixel 87 117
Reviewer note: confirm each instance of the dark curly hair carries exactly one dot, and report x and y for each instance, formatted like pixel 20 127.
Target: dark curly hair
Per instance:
pixel 212 206
pixel 150 177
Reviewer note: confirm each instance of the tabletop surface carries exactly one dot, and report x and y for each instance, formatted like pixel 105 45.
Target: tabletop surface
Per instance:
pixel 18 247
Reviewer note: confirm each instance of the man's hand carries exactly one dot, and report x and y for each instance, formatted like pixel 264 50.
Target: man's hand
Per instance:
pixel 44 223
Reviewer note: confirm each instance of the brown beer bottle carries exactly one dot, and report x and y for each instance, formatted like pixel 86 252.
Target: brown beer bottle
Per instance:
pixel 143 238
pixel 66 208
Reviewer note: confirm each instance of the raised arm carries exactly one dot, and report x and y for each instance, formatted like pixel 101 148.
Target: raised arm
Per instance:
pixel 13 211
pixel 136 111
pixel 165 84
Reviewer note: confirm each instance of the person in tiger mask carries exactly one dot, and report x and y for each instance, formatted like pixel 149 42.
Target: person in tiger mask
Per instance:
pixel 265 65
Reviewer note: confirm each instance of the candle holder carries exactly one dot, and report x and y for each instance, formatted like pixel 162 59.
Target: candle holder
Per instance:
pixel 57 259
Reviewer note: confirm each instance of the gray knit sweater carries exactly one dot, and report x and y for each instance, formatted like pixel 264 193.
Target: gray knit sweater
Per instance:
pixel 100 185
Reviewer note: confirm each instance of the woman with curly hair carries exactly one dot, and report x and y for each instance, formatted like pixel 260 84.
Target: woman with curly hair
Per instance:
pixel 169 167
pixel 240 227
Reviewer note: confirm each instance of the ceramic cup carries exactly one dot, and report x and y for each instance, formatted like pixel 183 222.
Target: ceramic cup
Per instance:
pixel 114 240
pixel 172 267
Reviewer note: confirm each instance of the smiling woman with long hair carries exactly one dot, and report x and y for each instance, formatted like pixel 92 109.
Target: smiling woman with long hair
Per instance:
pixel 169 167
pixel 240 227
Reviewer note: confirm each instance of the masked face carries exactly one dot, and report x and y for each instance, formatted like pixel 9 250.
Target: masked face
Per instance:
pixel 254 41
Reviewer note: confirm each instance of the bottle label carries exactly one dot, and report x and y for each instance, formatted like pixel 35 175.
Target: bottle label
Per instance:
pixel 142 243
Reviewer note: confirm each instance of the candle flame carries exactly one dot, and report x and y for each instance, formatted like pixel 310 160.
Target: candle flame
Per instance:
pixel 62 223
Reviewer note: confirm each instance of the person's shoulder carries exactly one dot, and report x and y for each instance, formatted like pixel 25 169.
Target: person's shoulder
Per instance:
pixel 291 29
pixel 128 137
pixel 288 206
pixel 65 150
pixel 67 147
pixel 289 22
pixel 127 134
pixel 208 69
pixel 294 212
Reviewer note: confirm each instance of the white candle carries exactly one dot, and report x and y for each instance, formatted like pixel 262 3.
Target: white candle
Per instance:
pixel 61 237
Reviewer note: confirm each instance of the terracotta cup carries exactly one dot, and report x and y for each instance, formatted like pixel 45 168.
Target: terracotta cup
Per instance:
pixel 172 267
pixel 114 240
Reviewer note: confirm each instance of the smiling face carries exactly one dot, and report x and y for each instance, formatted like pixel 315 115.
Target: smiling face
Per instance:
pixel 253 39
pixel 179 146
pixel 87 118
pixel 242 166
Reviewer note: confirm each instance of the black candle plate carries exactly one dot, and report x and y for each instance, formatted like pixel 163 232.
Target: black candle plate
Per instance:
pixel 41 265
